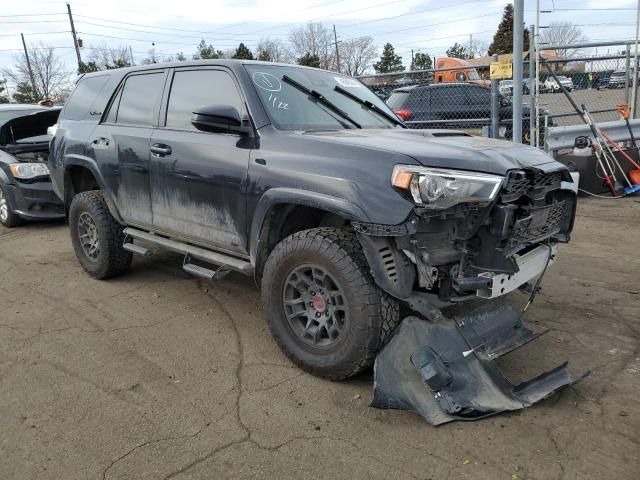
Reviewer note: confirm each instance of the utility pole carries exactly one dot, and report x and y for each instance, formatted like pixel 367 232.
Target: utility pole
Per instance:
pixel 470 54
pixel 335 41
pixel 518 32
pixel 412 65
pixel 532 78
pixel 26 55
pixel 75 38
pixel 133 62
pixel 536 102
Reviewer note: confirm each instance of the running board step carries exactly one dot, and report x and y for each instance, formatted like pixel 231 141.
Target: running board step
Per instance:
pixel 205 273
pixel 226 261
pixel 137 249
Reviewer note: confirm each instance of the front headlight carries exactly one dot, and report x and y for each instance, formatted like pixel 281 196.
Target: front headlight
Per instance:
pixel 439 189
pixel 29 170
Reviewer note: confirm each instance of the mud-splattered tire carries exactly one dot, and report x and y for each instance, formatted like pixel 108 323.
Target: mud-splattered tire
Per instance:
pixel 322 305
pixel 97 237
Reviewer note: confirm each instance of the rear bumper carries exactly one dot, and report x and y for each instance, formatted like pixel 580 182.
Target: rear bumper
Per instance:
pixel 35 201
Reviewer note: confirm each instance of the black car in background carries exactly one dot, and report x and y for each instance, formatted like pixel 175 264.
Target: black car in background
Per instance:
pixel 25 186
pixel 454 105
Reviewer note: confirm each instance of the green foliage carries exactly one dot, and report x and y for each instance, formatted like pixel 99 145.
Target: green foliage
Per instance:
pixel 457 51
pixel 243 52
pixel 3 96
pixel 264 56
pixel 180 57
pixel 25 94
pixel 422 61
pixel 118 63
pixel 503 38
pixel 207 51
pixel 389 61
pixel 309 60
pixel 87 67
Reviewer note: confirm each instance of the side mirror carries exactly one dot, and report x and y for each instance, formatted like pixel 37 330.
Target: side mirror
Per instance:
pixel 218 118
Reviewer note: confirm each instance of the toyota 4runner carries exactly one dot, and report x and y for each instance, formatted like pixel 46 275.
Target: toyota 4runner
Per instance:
pixel 306 180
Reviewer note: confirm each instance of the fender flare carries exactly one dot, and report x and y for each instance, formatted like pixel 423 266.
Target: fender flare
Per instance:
pixel 277 196
pixel 91 165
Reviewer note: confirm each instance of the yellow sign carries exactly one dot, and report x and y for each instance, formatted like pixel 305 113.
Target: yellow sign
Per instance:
pixel 500 70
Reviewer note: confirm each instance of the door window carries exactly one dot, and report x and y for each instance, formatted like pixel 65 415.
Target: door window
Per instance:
pixel 139 100
pixel 192 89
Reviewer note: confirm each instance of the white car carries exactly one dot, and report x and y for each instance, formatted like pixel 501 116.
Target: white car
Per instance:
pixel 552 86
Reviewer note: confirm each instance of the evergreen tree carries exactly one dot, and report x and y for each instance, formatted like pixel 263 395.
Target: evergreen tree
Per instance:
pixel 3 95
pixel 264 56
pixel 309 60
pixel 207 51
pixel 422 61
pixel 503 39
pixel 24 93
pixel 243 52
pixel 457 51
pixel 180 57
pixel 389 61
pixel 87 67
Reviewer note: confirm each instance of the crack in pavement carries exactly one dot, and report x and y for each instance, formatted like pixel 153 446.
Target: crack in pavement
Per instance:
pixel 150 442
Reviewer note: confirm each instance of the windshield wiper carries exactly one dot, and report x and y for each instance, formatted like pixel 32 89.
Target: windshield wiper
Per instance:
pixel 369 105
pixel 321 99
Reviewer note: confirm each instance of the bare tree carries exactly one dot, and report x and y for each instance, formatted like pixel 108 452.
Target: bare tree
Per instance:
pixel 314 39
pixel 273 50
pixel 562 33
pixel 356 55
pixel 106 57
pixel 479 48
pixel 49 72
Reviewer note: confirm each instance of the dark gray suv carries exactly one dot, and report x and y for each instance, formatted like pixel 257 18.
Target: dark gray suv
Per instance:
pixel 306 180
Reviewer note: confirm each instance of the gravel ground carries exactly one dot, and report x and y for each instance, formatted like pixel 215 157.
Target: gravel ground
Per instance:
pixel 156 375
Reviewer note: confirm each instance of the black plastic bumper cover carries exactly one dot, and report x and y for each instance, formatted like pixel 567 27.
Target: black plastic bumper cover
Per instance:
pixel 446 371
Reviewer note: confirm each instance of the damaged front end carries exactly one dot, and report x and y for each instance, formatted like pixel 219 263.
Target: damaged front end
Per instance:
pixel 481 249
pixel 444 369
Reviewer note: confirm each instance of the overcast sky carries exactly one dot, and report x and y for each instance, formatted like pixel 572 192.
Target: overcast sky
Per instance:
pixel 423 25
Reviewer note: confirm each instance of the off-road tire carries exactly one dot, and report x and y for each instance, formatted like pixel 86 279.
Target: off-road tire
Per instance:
pixel 372 314
pixel 11 220
pixel 112 259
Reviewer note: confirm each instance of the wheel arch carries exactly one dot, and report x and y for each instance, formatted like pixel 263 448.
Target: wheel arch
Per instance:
pixel 284 211
pixel 81 175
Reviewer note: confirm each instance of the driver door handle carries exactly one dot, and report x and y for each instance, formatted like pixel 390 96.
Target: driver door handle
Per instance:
pixel 160 149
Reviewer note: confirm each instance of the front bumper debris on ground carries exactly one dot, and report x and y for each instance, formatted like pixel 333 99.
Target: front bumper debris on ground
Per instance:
pixel 446 371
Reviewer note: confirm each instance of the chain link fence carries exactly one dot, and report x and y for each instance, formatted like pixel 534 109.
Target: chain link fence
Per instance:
pixel 460 97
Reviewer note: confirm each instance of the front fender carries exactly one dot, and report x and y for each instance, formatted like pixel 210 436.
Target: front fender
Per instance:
pixel 276 196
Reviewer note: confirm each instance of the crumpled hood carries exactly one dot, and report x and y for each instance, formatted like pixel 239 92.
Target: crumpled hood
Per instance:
pixel 30 125
pixel 445 149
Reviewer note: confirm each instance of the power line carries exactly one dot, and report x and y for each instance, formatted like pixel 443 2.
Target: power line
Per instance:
pixel 39 33
pixel 429 10
pixel 31 15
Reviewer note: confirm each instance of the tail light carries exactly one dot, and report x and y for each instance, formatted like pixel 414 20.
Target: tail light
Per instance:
pixel 403 114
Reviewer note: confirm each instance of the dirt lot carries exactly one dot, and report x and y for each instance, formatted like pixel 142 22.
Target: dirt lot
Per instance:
pixel 156 375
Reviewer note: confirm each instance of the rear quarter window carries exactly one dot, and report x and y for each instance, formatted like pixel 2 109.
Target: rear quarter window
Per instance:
pixel 83 97
pixel 397 99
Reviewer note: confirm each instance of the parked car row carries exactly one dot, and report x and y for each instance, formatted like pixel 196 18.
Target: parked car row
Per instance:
pixel 455 105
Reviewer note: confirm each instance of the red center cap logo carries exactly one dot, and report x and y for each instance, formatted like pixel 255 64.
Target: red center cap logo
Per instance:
pixel 319 303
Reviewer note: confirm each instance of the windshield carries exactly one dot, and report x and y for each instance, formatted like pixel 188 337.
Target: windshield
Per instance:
pixel 289 108
pixel 472 75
